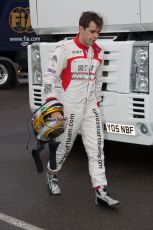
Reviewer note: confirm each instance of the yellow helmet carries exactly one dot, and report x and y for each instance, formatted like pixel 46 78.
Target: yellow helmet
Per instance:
pixel 43 125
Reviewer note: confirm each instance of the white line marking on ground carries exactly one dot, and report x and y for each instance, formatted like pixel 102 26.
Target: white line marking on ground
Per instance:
pixel 18 223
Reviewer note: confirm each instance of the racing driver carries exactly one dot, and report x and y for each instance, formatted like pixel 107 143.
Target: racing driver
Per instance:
pixel 78 64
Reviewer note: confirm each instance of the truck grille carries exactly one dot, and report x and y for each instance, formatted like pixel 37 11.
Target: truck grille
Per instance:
pixel 110 69
pixel 138 107
pixel 37 99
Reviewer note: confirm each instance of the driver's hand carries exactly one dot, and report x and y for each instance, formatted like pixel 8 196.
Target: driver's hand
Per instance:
pixel 57 116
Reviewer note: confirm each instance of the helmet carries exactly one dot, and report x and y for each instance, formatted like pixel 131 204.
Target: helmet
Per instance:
pixel 43 125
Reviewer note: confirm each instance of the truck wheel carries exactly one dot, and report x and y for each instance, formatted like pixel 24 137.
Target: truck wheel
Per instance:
pixel 7 74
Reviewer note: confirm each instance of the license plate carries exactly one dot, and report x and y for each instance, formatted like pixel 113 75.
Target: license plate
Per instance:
pixel 120 129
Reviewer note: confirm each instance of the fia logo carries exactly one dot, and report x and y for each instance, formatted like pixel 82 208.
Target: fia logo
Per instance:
pixel 19 20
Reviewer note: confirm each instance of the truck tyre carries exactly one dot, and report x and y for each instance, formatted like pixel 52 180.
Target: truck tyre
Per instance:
pixel 7 74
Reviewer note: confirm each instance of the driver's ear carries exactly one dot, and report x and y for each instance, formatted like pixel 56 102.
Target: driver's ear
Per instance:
pixel 81 29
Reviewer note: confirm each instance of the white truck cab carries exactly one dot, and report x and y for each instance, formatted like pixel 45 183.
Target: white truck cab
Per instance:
pixel 126 38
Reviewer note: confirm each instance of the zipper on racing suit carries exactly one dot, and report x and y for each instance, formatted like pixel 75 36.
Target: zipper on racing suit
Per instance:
pixel 90 61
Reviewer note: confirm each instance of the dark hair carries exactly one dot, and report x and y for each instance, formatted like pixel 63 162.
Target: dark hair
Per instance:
pixel 89 16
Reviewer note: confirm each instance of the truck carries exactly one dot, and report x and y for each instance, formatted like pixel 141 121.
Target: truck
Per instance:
pixel 15 34
pixel 126 38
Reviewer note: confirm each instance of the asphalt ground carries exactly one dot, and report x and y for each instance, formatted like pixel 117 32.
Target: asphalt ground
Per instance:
pixel 25 202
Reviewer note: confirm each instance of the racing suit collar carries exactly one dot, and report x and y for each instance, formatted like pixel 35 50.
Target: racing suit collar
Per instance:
pixel 82 46
pixel 79 44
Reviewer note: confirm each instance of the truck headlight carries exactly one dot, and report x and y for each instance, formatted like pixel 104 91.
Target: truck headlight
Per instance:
pixel 140 67
pixel 37 78
pixel 35 55
pixel 141 56
pixel 36 65
pixel 141 83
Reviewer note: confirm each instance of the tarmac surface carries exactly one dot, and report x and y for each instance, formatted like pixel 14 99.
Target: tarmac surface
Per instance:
pixel 25 202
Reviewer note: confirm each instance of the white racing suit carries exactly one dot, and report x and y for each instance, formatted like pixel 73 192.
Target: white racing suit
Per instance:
pixel 80 70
